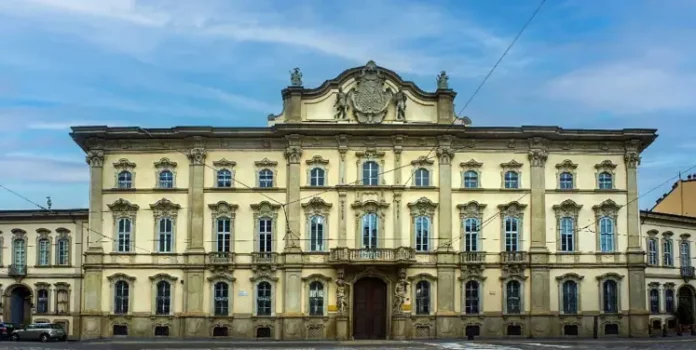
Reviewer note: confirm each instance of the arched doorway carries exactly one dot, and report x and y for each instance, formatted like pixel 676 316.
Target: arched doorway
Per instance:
pixel 686 295
pixel 18 302
pixel 370 309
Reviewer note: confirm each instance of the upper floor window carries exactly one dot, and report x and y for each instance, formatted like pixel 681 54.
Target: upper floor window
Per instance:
pixel 512 180
pixel 263 299
pixel 125 179
pixel 265 235
pixel 512 234
pixel 316 299
pixel 611 297
pixel 605 181
pixel 164 291
pixel 370 174
pixel 422 177
pixel 165 235
pixel 471 234
pixel 316 177
pixel 20 254
pixel 44 249
pixel 166 179
pixel 422 233
pixel 513 297
pixel 124 235
pixel 570 297
pixel 471 179
pixel 567 227
pixel 222 236
pixel 369 230
pixel 423 298
pixel 63 252
pixel 221 295
pixel 265 178
pixel 606 235
pixel 224 178
pixel 472 299
pixel 566 181
pixel 667 256
pixel 42 301
pixel 652 251
pixel 316 233
pixel 654 296
pixel 121 294
pixel 685 253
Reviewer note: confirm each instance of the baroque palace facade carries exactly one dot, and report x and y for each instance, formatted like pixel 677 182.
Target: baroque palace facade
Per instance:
pixel 365 210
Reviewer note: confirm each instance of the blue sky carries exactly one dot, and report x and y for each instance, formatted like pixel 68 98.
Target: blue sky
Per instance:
pixel 159 63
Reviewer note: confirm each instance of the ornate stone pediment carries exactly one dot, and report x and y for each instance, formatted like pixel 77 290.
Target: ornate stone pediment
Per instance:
pixel 606 208
pixel 317 160
pixel 472 271
pixel 473 209
pixel 165 207
pixel 265 163
pixel 224 163
pixel 471 164
pixel 370 98
pixel 422 207
pixel 120 276
pixel 164 276
pixel 263 272
pixel 223 208
pixel 165 163
pixel 513 270
pixel 123 206
pixel 423 160
pixel 124 164
pixel 317 205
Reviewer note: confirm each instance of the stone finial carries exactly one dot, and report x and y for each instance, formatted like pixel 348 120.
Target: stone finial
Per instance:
pixel 443 81
pixel 295 77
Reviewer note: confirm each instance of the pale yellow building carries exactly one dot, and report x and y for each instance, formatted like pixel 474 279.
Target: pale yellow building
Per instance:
pixel 364 210
pixel 41 266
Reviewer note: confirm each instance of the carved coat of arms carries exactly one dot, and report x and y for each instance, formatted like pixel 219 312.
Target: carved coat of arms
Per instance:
pixel 370 98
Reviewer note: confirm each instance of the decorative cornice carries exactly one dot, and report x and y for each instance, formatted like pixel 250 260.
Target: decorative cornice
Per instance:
pixel 124 163
pixel 317 276
pixel 265 205
pixel 224 163
pixel 164 276
pixel 165 163
pixel 567 205
pixel 316 202
pixel 608 206
pixel 266 163
pixel 513 164
pixel 567 164
pixel 610 275
pixel 120 276
pixel 423 160
pixel 471 164
pixel 122 205
pixel 423 276
pixel 222 207
pixel 317 160
pixel 606 164
pixel 570 276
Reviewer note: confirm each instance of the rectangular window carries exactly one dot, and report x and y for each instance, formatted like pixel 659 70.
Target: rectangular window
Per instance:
pixel 43 252
pixel 223 235
pixel 667 253
pixel 265 235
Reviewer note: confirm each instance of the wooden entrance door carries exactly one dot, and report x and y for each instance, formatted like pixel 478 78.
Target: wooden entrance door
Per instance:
pixel 370 309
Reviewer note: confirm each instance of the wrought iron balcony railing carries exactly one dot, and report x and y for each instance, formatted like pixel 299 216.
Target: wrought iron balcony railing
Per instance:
pixel 513 257
pixel 375 255
pixel 472 257
pixel 221 258
pixel 687 272
pixel 264 258
pixel 17 270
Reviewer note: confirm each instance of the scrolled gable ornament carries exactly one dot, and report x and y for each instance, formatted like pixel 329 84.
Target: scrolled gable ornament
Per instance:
pixel 370 98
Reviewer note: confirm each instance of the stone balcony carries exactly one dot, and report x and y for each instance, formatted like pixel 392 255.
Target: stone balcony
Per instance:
pixel 264 258
pixel 221 258
pixel 472 257
pixel 687 272
pixel 514 257
pixel 376 256
pixel 17 270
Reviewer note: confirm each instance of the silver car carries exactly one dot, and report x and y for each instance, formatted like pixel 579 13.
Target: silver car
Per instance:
pixel 40 331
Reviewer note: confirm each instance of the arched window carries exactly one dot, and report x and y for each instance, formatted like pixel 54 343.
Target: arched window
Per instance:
pixel 606 234
pixel 316 233
pixel 570 297
pixel 472 299
pixel 265 235
pixel 125 179
pixel 224 178
pixel 222 236
pixel 512 234
pixel 611 297
pixel 164 291
pixel 124 235
pixel 44 248
pixel 669 300
pixel 263 299
pixel 512 180
pixel 370 172
pixel 63 251
pixel 369 229
pixel 265 178
pixel 422 177
pixel 652 252
pixel 42 301
pixel 164 236
pixel 20 255
pixel 316 299
pixel 166 179
pixel 422 233
pixel 121 293
pixel 605 181
pixel 471 234
pixel 685 253
pixel 221 297
pixel 316 177
pixel 513 297
pixel 566 181
pixel 654 296
pixel 423 298
pixel 567 227
pixel 471 179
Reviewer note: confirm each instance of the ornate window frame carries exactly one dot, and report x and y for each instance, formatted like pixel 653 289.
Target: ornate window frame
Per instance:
pixel 154 280
pixel 63 234
pixel 62 287
pixel 219 210
pixel 230 281
pixel 609 209
pixel 669 286
pixel 256 280
pixel 224 164
pixel 164 164
pixel 471 165
pixel 578 282
pixel 481 280
pixel 123 209
pixel 654 286
pixel 426 163
pixel 651 236
pixel 317 162
pixel 112 287
pixel 266 209
pixel 667 237
pixel 567 208
pixel 471 210
pixel 370 154
pixel 515 167
pixel 43 234
pixel 514 210
pixel 613 277
pixel 432 302
pixel 507 279
pixel 567 166
pixel 38 286
pixel 423 207
pixel 326 282
pixel 163 209
pixel 19 234
pixel 609 167
pixel 317 207
pixel 266 164
pixel 684 240
pixel 370 206
pixel 122 165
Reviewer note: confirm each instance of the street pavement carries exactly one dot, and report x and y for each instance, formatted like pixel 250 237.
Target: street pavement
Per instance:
pixel 673 343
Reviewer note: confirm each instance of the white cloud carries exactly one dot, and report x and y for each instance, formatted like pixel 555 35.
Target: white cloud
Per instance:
pixel 44 170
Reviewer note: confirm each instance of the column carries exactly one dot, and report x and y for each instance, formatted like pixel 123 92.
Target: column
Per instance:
pixel 91 307
pixel 292 278
pixel 540 306
pixel 194 281
pixel 635 256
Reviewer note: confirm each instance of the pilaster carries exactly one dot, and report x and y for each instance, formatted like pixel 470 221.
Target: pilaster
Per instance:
pixel 92 293
pixel 398 236
pixel 342 150
pixel 95 159
pixel 342 234
pixel 540 279
pixel 445 155
pixel 196 200
pixel 293 154
pixel 195 250
pixel 398 148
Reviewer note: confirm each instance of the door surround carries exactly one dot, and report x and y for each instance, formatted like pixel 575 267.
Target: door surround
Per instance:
pixel 371 272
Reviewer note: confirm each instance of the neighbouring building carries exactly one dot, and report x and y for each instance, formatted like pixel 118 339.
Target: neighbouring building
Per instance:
pixel 680 199
pixel 41 262
pixel 366 209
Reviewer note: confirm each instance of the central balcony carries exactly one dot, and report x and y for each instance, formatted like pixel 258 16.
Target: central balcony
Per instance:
pixel 513 257
pixel 472 257
pixel 17 270
pixel 264 258
pixel 687 272
pixel 376 256
pixel 221 258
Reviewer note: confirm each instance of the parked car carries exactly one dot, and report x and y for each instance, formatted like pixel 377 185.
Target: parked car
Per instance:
pixel 6 330
pixel 40 331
